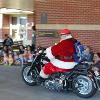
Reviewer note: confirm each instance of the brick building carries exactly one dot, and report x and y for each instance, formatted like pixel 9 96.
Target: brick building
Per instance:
pixel 16 19
pixel 81 16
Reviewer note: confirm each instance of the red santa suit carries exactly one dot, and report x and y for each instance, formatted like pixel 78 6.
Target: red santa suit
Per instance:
pixel 60 55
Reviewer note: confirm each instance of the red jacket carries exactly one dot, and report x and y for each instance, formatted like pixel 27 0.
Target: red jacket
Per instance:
pixel 64 50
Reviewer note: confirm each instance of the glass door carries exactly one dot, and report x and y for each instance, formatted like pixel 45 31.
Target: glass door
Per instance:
pixel 23 28
pixel 18 29
pixel 14 28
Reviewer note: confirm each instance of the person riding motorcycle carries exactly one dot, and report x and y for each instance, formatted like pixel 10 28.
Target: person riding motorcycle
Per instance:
pixel 60 55
pixel 60 72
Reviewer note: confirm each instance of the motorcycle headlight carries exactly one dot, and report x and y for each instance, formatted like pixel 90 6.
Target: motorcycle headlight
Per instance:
pixel 40 51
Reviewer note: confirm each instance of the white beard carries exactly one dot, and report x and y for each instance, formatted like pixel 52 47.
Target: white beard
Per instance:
pixel 64 37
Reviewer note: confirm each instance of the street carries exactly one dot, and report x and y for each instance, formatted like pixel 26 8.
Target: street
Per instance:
pixel 13 88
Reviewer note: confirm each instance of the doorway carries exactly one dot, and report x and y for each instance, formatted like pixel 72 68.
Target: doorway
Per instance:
pixel 18 28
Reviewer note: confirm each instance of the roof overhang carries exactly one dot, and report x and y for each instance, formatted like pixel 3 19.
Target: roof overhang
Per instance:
pixel 17 6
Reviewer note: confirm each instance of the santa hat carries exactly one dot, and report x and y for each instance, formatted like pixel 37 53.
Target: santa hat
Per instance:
pixel 64 32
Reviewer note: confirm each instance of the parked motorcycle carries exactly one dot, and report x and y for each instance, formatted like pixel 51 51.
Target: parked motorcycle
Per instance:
pixel 81 80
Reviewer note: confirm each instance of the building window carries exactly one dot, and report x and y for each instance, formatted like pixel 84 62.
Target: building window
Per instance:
pixel 14 33
pixel 44 18
pixel 23 21
pixel 14 20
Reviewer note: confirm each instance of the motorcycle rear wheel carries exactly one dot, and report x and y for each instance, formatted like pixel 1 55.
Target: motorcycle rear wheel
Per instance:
pixel 28 79
pixel 84 87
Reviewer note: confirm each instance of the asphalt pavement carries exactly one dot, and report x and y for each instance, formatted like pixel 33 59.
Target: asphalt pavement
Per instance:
pixel 12 87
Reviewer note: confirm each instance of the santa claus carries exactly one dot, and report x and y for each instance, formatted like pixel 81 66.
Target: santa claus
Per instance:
pixel 60 55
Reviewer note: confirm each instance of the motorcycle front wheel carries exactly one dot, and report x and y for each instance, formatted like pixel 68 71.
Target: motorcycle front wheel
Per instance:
pixel 84 87
pixel 28 79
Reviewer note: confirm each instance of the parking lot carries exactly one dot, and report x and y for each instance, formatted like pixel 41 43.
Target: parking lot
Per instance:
pixel 13 88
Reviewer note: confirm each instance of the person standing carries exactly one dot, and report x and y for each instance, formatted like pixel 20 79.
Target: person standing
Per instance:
pixel 33 38
pixel 8 42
